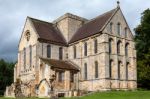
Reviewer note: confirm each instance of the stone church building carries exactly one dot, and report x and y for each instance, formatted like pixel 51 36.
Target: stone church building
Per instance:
pixel 83 54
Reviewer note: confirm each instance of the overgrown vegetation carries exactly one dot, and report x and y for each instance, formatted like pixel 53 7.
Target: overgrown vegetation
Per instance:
pixel 142 39
pixel 6 75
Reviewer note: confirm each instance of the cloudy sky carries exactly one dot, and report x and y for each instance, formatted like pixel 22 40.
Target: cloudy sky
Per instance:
pixel 14 12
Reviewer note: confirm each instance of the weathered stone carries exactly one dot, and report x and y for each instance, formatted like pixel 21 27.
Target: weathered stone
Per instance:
pixel 39 72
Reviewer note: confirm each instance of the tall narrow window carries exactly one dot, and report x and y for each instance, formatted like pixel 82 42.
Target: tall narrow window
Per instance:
pixel 71 76
pixel 30 55
pixel 24 58
pixel 48 51
pixel 60 76
pixel 96 69
pixel 85 49
pixel 118 47
pixel 126 49
pixel 85 71
pixel 127 65
pixel 118 28
pixel 110 45
pixel 110 68
pixel 74 48
pixel 95 46
pixel 111 27
pixel 119 65
pixel 60 52
pixel 125 32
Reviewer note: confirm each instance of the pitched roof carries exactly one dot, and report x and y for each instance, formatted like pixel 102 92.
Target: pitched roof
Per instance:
pixel 60 64
pixel 48 32
pixel 92 27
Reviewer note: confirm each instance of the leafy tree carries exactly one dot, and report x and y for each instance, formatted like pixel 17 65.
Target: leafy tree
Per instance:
pixel 6 75
pixel 142 38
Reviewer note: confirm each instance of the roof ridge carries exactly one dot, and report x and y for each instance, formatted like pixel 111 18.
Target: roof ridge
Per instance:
pixel 48 34
pixel 57 29
pixel 98 21
pixel 114 11
pixel 102 14
pixel 40 20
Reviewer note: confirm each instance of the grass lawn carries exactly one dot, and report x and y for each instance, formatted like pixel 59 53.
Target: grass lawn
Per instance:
pixel 112 95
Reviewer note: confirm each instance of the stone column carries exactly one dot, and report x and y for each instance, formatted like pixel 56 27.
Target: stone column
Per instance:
pixel 67 80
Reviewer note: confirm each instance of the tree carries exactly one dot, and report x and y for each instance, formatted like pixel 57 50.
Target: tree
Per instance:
pixel 142 39
pixel 6 75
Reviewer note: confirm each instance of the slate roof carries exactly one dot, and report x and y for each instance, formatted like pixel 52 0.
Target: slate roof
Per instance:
pixel 48 32
pixel 92 27
pixel 60 64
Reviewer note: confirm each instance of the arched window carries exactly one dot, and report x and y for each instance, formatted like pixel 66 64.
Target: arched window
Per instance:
pixel 24 51
pixel 85 71
pixel 95 46
pixel 118 47
pixel 119 65
pixel 48 51
pixel 126 49
pixel 127 65
pixel 110 68
pixel 125 32
pixel 110 45
pixel 118 28
pixel 60 52
pixel 30 55
pixel 74 49
pixel 85 49
pixel 96 69
pixel 111 27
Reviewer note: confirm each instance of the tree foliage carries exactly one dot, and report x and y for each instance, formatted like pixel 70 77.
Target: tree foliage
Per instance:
pixel 6 75
pixel 142 39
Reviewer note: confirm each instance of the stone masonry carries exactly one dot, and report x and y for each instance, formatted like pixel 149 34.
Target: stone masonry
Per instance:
pixel 34 71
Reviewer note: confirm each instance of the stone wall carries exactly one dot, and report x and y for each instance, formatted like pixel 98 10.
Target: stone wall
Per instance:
pixel 26 71
pixel 103 57
pixel 91 83
pixel 42 51
pixel 68 24
pixel 131 58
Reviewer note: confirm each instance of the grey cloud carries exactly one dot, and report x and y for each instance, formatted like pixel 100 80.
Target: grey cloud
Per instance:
pixel 14 12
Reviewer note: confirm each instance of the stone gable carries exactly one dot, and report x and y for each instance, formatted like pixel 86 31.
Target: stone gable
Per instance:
pixel 115 57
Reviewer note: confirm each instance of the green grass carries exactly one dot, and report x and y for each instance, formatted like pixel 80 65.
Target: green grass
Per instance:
pixel 119 95
pixel 112 95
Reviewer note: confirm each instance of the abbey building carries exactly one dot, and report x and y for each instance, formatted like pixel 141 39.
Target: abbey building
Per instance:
pixel 84 55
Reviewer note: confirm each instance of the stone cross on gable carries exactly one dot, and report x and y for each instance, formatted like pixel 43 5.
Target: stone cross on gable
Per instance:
pixel 118 2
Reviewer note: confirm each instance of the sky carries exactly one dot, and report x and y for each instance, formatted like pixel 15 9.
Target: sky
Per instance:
pixel 13 14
